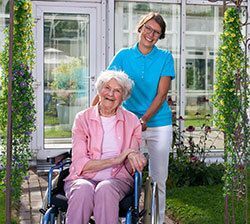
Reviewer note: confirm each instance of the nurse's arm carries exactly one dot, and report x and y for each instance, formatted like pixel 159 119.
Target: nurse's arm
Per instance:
pixel 95 100
pixel 163 87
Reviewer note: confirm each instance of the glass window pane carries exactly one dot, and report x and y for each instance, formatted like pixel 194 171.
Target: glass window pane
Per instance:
pixel 204 24
pixel 66 74
pixel 203 18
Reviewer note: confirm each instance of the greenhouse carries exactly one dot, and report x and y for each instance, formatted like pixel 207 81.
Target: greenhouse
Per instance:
pixel 75 40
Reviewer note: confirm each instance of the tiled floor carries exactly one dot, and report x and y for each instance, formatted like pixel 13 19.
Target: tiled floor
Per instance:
pixel 31 201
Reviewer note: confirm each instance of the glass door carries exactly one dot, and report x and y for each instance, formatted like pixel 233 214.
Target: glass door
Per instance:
pixel 63 72
pixel 66 72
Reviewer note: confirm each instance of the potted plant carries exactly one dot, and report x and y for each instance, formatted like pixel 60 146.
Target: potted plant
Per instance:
pixel 69 89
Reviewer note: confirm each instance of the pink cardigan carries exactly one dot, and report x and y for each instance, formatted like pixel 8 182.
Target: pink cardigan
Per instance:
pixel 87 135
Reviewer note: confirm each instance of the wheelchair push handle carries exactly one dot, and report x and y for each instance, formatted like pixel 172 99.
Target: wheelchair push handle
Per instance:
pixel 59 158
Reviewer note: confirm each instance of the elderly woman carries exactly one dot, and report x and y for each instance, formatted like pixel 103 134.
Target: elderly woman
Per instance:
pixel 105 153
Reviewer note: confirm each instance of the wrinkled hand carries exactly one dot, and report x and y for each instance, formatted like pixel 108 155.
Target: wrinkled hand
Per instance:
pixel 137 161
pixel 120 159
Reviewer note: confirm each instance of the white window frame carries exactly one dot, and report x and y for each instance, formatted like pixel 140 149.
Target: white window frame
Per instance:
pixel 97 58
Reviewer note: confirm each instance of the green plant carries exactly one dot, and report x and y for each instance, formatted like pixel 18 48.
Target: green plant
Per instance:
pixel 14 218
pixel 187 166
pixel 23 109
pixel 68 79
pixel 231 101
pixel 186 145
pixel 184 171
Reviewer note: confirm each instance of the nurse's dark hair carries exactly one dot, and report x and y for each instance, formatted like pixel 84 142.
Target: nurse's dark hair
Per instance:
pixel 155 16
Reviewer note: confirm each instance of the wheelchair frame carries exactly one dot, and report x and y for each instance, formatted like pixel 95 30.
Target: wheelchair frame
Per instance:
pixel 148 215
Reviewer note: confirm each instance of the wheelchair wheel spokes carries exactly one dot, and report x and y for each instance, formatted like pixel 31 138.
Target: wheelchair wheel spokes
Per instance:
pixel 155 204
pixel 147 201
pixel 49 216
pixel 151 202
pixel 61 217
pixel 53 216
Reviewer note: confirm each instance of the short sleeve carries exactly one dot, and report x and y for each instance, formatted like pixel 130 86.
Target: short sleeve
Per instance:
pixel 168 69
pixel 117 62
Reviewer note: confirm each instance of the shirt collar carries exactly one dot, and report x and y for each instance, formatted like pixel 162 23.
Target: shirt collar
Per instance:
pixel 96 116
pixel 139 54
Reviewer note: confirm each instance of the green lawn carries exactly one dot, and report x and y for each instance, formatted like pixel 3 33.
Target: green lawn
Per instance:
pixel 57 133
pixel 51 120
pixel 202 205
pixel 195 122
pixel 2 210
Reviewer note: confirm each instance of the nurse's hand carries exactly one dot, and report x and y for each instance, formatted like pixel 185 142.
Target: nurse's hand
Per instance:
pixel 143 124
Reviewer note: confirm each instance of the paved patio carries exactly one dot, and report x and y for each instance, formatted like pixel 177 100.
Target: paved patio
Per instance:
pixel 33 192
pixel 31 200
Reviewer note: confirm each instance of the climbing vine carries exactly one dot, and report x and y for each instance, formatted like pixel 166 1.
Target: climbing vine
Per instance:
pixel 231 101
pixel 23 110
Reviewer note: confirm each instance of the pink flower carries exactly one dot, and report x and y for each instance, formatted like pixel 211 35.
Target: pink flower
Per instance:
pixel 190 128
pixel 208 129
pixel 193 158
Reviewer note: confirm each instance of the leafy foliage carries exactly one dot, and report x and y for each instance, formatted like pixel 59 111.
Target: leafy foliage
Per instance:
pixel 14 219
pixel 193 172
pixel 23 109
pixel 186 145
pixel 187 167
pixel 231 100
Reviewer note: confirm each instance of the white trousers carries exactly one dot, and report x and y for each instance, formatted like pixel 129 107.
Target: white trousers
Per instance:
pixel 158 141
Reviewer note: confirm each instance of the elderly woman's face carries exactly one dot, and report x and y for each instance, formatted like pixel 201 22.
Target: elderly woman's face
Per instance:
pixel 111 95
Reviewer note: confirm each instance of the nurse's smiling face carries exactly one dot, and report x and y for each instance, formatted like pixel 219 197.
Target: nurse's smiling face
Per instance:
pixel 149 35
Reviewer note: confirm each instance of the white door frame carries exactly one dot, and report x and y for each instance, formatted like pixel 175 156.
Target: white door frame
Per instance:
pixel 97 58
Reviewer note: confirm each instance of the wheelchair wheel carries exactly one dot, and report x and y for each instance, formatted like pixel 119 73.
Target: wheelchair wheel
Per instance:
pixel 151 202
pixel 61 217
pixel 155 204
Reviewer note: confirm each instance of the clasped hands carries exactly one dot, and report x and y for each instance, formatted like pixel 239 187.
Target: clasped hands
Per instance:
pixel 136 159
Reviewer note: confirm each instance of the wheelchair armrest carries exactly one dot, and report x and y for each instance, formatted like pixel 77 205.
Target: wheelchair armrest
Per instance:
pixel 59 158
pixel 59 161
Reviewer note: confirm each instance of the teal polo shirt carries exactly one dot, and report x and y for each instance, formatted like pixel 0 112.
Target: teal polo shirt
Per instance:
pixel 145 71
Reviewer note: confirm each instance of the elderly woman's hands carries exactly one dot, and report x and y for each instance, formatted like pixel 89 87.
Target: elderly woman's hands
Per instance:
pixel 137 161
pixel 123 156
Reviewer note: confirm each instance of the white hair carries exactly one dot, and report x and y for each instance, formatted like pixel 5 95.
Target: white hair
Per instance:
pixel 121 77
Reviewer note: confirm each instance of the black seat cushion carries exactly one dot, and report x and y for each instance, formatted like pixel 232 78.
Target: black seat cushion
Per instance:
pixel 59 189
pixel 125 204
pixel 58 198
pixel 60 201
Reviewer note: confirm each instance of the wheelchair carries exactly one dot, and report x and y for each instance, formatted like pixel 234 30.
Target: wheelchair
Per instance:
pixel 131 211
